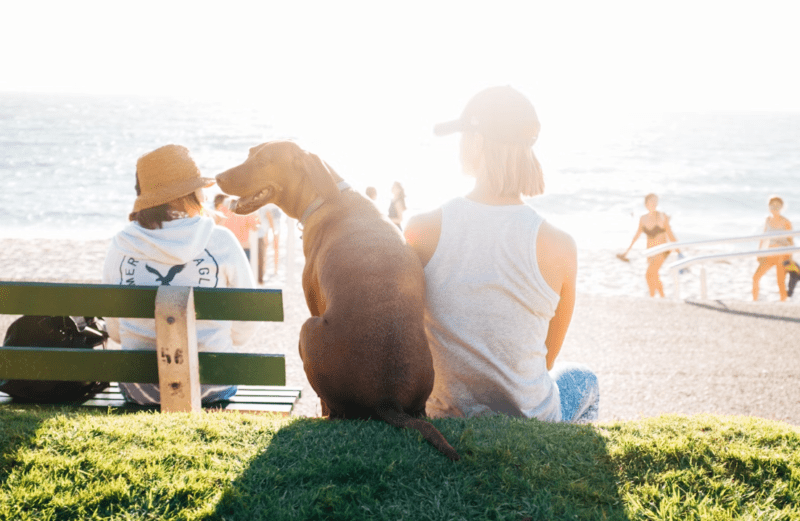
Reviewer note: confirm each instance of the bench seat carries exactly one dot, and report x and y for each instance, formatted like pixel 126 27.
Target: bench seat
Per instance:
pixel 249 398
pixel 175 365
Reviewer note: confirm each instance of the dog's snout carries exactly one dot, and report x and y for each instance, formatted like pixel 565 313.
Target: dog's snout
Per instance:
pixel 235 181
pixel 223 181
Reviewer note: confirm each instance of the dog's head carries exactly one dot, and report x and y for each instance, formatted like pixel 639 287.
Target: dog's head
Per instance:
pixel 275 172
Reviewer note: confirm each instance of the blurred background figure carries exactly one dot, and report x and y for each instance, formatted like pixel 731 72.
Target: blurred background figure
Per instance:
pixel 398 204
pixel 217 215
pixel 240 225
pixel 655 225
pixel 270 217
pixel 775 222
pixel 793 270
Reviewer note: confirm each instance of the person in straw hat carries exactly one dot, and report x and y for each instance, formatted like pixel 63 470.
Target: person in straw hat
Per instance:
pixel 171 242
pixel 500 280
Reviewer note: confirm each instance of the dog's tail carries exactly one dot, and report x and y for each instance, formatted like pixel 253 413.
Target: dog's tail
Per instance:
pixel 390 412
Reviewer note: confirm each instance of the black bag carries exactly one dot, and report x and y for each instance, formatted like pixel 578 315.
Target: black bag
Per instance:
pixel 36 331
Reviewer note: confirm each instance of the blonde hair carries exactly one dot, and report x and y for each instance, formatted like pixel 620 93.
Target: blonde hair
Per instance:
pixel 509 169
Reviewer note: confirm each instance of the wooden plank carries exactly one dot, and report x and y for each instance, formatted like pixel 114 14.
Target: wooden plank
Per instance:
pixel 259 393
pixel 242 369
pixel 90 300
pixel 262 399
pixel 270 387
pixel 112 397
pixel 176 341
pixel 249 393
pixel 109 300
pixel 259 305
pixel 36 363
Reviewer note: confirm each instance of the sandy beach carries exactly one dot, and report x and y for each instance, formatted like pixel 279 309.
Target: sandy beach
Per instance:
pixel 723 355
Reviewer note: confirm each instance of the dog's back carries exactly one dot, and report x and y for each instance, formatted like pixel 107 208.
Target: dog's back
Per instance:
pixel 364 349
pixel 370 355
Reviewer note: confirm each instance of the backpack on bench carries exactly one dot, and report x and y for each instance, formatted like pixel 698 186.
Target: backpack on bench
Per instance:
pixel 40 331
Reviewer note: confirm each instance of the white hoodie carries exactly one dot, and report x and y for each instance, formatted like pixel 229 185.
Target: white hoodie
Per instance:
pixel 192 251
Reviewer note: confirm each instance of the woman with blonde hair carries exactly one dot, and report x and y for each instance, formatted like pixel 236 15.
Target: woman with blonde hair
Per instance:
pixel 775 222
pixel 500 279
pixel 171 242
pixel 655 225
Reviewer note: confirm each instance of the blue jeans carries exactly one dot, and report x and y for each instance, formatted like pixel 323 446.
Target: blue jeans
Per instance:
pixel 580 392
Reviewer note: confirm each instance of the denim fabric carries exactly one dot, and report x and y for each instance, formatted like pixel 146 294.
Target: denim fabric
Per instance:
pixel 579 390
pixel 149 394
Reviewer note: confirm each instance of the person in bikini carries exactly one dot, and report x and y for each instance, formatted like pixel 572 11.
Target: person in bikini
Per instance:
pixel 655 225
pixel 775 222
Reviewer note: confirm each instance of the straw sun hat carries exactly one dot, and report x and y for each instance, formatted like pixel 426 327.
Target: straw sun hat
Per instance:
pixel 166 174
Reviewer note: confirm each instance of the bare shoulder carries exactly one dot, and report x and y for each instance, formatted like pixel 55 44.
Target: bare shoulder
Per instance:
pixel 556 241
pixel 557 256
pixel 422 233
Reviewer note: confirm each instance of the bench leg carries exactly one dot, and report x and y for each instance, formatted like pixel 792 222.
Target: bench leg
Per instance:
pixel 176 344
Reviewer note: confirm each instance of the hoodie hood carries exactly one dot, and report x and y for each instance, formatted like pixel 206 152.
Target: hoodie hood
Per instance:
pixel 177 242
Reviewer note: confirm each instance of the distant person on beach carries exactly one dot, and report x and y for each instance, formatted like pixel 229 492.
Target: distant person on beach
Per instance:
pixel 775 222
pixel 500 279
pixel 270 217
pixel 240 225
pixel 793 270
pixel 218 216
pixel 398 204
pixel 171 242
pixel 656 226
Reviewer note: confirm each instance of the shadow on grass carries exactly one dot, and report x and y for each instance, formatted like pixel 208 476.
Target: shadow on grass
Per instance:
pixel 510 469
pixel 18 427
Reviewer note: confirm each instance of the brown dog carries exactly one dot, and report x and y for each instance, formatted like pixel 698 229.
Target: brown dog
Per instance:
pixel 364 350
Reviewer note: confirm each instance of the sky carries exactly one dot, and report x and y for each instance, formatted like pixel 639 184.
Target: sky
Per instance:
pixel 605 56
pixel 380 74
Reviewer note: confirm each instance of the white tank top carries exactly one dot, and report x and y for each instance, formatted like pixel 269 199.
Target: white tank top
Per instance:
pixel 488 312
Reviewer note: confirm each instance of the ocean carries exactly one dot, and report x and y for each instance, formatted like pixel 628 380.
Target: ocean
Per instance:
pixel 67 164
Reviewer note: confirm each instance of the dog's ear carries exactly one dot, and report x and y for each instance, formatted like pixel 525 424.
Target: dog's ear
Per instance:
pixel 323 179
pixel 336 177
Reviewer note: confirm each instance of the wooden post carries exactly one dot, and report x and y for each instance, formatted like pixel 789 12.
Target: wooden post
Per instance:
pixel 176 344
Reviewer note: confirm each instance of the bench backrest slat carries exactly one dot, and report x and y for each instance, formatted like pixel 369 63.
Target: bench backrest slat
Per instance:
pixel 27 363
pixel 108 300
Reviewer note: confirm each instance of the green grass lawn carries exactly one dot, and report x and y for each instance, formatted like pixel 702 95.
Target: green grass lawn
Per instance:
pixel 88 465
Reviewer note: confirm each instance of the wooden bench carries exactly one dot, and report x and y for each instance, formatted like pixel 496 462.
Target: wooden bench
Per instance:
pixel 176 365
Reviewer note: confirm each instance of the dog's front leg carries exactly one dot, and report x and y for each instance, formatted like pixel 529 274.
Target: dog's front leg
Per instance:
pixel 314 298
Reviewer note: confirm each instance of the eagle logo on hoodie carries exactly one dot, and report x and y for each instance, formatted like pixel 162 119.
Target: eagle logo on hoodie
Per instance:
pixel 200 272
pixel 165 279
